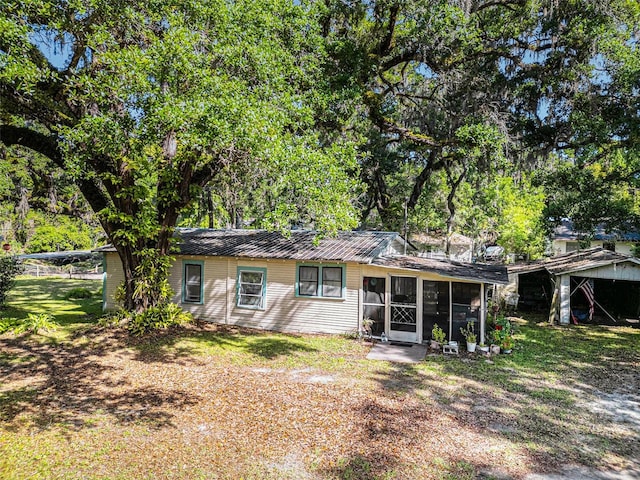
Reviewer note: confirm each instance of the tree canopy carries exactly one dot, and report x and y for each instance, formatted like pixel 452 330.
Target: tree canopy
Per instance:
pixel 144 103
pixel 462 86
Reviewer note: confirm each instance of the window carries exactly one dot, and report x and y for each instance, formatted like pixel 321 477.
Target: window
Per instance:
pixel 192 286
pixel 332 282
pixel 252 287
pixel 325 281
pixel 572 247
pixel 308 281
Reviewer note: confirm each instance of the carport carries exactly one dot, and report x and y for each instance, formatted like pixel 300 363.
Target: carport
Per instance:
pixel 587 286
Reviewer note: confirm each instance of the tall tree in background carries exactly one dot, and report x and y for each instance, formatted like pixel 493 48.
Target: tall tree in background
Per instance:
pixel 454 85
pixel 144 103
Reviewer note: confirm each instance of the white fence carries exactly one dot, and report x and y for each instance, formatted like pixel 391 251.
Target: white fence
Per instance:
pixel 68 271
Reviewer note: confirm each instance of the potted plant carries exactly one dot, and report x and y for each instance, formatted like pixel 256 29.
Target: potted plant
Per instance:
pixel 503 330
pixel 470 336
pixel 507 344
pixel 367 324
pixel 483 347
pixel 438 337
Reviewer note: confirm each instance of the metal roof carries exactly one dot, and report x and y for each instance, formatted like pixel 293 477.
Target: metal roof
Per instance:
pixel 574 262
pixel 62 258
pixel 354 246
pixel 447 268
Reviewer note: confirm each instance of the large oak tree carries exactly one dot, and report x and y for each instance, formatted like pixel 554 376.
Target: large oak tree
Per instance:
pixel 460 85
pixel 144 103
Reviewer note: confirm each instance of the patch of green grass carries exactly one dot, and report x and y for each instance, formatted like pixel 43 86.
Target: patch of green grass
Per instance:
pixel 332 353
pixel 51 296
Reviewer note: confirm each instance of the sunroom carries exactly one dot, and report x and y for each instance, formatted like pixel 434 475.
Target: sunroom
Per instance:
pixel 405 297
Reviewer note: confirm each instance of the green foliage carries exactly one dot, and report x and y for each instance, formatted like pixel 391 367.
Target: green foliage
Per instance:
pixel 594 191
pixel 502 334
pixel 7 324
pixel 60 234
pixel 35 323
pixel 78 293
pixel 437 334
pixel 468 332
pixel 157 100
pixel 10 268
pixel 157 317
pixel 152 273
pixel 481 92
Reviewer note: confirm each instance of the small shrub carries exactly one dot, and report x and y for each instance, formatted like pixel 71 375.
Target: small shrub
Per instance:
pixel 78 294
pixel 35 323
pixel 113 320
pixel 158 317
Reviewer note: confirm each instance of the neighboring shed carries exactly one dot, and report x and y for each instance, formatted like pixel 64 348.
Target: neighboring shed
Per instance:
pixel 595 285
pixel 300 283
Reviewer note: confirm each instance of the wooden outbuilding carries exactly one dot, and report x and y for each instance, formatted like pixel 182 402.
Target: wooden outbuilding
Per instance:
pixel 593 285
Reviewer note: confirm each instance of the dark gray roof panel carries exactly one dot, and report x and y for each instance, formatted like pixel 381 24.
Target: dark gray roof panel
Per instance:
pixel 574 261
pixel 447 268
pixel 359 246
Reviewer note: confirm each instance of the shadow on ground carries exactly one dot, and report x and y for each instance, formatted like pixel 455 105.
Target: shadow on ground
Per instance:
pixel 53 384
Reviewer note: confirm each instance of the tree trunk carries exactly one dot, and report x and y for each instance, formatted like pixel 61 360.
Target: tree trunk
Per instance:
pixel 454 183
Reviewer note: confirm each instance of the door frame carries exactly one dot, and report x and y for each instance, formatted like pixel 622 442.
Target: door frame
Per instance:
pixel 398 335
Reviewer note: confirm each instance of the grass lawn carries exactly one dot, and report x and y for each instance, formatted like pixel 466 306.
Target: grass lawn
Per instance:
pixel 222 403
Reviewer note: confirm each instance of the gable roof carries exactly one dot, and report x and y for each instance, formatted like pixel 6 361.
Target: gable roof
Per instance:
pixel 447 268
pixel 366 247
pixel 574 262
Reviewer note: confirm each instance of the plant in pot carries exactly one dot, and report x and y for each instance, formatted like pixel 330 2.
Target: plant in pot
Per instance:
pixel 438 337
pixel 507 343
pixel 367 325
pixel 469 334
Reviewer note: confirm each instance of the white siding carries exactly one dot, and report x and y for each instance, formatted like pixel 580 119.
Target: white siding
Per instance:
pixel 214 277
pixel 283 311
pixel 620 271
pixel 286 312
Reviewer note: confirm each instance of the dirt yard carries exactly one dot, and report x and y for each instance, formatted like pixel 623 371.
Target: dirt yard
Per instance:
pixel 218 404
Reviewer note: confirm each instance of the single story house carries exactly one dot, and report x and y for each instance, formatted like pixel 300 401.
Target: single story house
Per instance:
pixel 297 283
pixel 594 285
pixel 566 239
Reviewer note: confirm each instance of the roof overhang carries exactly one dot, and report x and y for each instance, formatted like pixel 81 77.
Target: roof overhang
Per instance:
pixel 573 262
pixel 447 269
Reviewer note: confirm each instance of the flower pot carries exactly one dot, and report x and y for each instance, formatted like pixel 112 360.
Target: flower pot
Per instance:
pixel 507 351
pixel 471 347
pixel 483 348
pixel 434 345
pixel 495 349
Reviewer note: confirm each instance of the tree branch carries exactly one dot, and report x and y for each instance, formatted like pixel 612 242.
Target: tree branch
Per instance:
pixel 46 145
